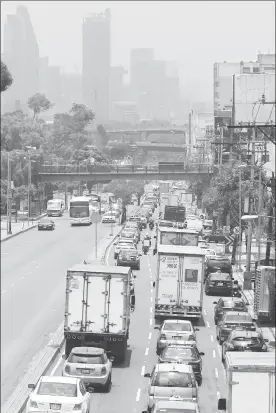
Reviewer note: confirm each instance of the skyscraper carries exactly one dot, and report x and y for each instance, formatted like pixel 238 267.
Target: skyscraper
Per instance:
pixel 21 55
pixel 96 64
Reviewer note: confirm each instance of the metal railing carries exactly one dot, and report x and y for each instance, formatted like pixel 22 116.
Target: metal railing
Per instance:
pixel 122 169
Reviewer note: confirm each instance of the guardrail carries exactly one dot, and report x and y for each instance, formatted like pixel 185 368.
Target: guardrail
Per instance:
pixel 111 169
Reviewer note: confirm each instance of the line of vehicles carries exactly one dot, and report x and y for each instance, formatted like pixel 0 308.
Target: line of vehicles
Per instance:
pixel 97 321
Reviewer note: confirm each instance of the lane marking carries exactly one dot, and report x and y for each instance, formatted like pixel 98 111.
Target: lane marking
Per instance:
pixel 150 309
pixel 37 266
pixel 22 278
pixel 151 299
pixel 150 321
pixel 12 285
pixel 151 290
pixel 207 324
pixel 219 349
pixel 150 334
pixel 204 312
pixel 214 353
pixel 143 371
pixel 218 394
pixel 216 372
pixel 147 351
pixel 56 367
pixel 138 395
pixel 211 337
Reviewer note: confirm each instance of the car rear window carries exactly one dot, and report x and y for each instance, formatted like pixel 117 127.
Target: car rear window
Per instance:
pixel 230 318
pixel 180 352
pixel 253 340
pixel 172 379
pixel 127 235
pixel 220 276
pixel 233 304
pixel 171 326
pixel 84 359
pixel 57 389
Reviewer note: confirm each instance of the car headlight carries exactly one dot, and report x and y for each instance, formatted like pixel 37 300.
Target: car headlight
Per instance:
pixel 33 404
pixel 78 406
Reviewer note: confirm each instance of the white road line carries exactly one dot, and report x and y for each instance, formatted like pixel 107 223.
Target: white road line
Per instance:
pixel 12 285
pixel 219 349
pixel 216 372
pixel 204 312
pixel 214 353
pixel 150 334
pixel 21 278
pixel 218 394
pixel 151 299
pixel 150 321
pixel 150 309
pixel 56 366
pixel 211 337
pixel 143 371
pixel 138 395
pixel 151 290
pixel 37 266
pixel 207 324
pixel 147 351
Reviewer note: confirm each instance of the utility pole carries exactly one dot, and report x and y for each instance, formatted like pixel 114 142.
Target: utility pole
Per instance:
pixel 190 133
pixel 221 147
pixel 270 222
pixel 9 231
pixel 29 188
pixel 233 117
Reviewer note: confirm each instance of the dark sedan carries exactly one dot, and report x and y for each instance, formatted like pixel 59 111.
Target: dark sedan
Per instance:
pixel 228 304
pixel 219 283
pixel 244 341
pixel 46 224
pixel 185 353
pixel 234 320
pixel 129 258
pixel 217 262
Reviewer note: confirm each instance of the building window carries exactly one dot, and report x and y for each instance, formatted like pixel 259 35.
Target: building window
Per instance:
pixel 256 70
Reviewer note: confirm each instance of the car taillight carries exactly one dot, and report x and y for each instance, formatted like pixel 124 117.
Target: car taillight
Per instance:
pixel 78 406
pixel 67 369
pixel 163 337
pixel 33 405
pixel 191 338
pixel 103 370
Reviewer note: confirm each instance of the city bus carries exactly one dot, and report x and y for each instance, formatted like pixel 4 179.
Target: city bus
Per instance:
pixel 81 210
pixel 55 207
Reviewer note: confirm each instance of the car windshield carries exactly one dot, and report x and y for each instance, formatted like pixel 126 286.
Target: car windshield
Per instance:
pixel 84 359
pixel 253 340
pixel 220 277
pixel 179 352
pixel 57 389
pixel 234 304
pixel 171 326
pixel 46 221
pixel 79 211
pixel 127 235
pixel 172 379
pixel 240 318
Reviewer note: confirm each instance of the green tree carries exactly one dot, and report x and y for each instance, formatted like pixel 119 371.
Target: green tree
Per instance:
pixel 39 103
pixel 124 189
pixel 6 77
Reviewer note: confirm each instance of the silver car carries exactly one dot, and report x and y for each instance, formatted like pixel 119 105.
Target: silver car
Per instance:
pixel 90 364
pixel 173 331
pixel 175 405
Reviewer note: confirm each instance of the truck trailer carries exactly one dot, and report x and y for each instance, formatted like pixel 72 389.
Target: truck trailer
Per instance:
pixel 250 382
pixel 264 292
pixel 179 282
pixel 97 308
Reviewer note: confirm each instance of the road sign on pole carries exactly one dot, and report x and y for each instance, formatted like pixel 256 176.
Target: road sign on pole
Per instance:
pixel 229 240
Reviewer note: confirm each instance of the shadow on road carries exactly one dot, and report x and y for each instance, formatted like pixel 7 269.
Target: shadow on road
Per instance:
pixel 126 362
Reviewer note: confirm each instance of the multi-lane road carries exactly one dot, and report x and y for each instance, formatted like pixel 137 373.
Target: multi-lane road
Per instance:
pixel 129 387
pixel 33 268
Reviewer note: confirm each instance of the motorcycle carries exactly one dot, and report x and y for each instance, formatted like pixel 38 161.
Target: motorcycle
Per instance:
pixel 151 225
pixel 145 249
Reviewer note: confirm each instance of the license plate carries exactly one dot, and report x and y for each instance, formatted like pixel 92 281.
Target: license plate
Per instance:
pixel 85 371
pixel 219 284
pixel 239 328
pixel 54 406
pixel 176 337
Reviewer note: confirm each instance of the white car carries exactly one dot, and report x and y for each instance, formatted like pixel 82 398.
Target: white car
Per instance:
pixel 125 244
pixel 108 218
pixel 173 331
pixel 58 394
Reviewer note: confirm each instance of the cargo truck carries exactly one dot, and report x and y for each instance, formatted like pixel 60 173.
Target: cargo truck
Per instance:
pixel 264 293
pixel 164 187
pixel 176 236
pixel 250 383
pixel 179 282
pixel 97 308
pixel 175 213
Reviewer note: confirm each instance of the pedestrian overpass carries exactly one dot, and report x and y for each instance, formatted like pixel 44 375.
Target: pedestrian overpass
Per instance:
pixel 88 173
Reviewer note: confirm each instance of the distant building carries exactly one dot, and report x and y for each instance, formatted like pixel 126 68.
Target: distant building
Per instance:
pixel 117 86
pixel 96 64
pixel 21 54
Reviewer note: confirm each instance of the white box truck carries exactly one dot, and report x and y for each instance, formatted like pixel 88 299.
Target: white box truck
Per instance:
pixel 97 308
pixel 179 282
pixel 250 381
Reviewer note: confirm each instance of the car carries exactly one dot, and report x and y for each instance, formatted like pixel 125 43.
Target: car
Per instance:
pixel 174 330
pixel 174 405
pixel 133 231
pixel 171 379
pixel 219 283
pixel 243 340
pixel 125 243
pixel 129 258
pixel 92 365
pixel 186 353
pixel 46 224
pixel 129 235
pixel 144 221
pixel 131 224
pixel 218 262
pixel 108 218
pixel 58 394
pixel 228 304
pixel 209 253
pixel 137 219
pixel 234 320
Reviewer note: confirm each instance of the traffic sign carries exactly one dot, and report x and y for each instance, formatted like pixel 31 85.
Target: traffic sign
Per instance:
pixel 236 230
pixel 229 240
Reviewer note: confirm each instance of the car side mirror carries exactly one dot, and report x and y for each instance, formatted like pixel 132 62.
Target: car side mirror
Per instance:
pixel 254 319
pixel 221 404
pixel 140 255
pixel 134 276
pixel 157 328
pixel 64 356
pixel 246 303
pixel 90 389
pixel 147 375
pixel 215 302
pixel 153 284
pixel 202 354
pixel 155 236
pixel 196 329
pixel 111 358
pixel 31 386
pixel 115 243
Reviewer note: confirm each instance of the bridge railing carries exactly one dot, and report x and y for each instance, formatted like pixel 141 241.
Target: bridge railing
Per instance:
pixel 120 169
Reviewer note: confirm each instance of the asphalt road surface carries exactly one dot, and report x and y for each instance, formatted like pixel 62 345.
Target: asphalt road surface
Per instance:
pixel 33 268
pixel 129 387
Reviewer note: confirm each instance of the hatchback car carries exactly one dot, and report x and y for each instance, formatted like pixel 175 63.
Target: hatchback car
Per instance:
pixel 172 331
pixel 92 365
pixel 46 224
pixel 174 405
pixel 168 380
pixel 234 320
pixel 228 304
pixel 58 394
pixel 219 283
pixel 216 263
pixel 133 231
pixel 186 353
pixel 244 341
pixel 125 244
pixel 130 258
pixel 108 218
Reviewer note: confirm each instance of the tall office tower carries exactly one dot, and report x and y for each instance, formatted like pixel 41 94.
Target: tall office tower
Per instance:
pixel 139 61
pixel 96 64
pixel 21 55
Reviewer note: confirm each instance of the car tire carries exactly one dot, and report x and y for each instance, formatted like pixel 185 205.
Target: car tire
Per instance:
pixel 222 358
pixel 107 386
pixel 199 381
pixel 220 340
pixel 115 256
pixel 138 267
pixel 206 292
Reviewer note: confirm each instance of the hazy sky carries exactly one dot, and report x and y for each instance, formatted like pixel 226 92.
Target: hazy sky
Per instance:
pixel 194 33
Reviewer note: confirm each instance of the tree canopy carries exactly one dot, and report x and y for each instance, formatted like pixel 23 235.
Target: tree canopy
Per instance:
pixel 124 189
pixel 6 77
pixel 39 103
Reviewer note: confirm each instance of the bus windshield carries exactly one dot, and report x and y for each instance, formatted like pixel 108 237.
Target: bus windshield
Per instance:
pixel 54 203
pixel 79 209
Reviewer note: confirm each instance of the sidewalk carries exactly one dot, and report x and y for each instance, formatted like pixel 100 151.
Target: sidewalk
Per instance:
pixel 248 295
pixel 18 227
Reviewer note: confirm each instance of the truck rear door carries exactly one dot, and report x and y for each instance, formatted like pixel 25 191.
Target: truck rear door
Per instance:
pixel 168 280
pixel 191 280
pixel 250 393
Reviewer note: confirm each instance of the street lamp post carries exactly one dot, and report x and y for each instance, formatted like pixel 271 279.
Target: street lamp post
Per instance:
pixel 9 231
pixel 29 180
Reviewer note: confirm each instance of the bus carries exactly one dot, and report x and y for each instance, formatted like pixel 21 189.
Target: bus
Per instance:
pixel 81 210
pixel 55 207
pixel 107 198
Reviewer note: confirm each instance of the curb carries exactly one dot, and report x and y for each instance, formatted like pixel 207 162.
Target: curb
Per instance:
pixel 24 230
